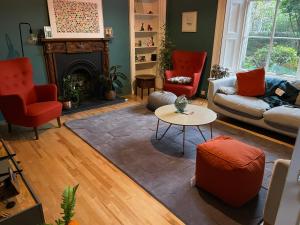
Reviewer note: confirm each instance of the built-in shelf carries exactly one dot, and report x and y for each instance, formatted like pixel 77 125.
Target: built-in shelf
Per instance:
pixel 145 32
pixel 145 47
pixel 146 14
pixel 147 62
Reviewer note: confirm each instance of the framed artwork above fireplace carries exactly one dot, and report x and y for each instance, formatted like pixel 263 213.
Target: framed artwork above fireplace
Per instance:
pixel 76 18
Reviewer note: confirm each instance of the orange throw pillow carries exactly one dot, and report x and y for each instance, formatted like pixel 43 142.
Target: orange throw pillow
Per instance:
pixel 251 83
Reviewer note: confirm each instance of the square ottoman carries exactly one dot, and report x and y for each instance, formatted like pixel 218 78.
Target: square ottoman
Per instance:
pixel 229 169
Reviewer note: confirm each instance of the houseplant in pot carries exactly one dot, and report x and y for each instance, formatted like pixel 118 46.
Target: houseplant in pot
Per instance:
pixel 68 206
pixel 70 95
pixel 112 82
pixel 218 72
pixel 165 54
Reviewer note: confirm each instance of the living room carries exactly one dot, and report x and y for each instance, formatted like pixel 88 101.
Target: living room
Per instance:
pixel 149 112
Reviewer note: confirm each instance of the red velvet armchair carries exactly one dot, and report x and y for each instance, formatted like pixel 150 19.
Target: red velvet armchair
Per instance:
pixel 23 103
pixel 189 64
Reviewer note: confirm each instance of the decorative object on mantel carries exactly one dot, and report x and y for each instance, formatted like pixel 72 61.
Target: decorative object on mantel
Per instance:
pixel 108 32
pixel 189 21
pixel 32 39
pixel 113 83
pixel 48 32
pixel 218 72
pixel 68 205
pixel 76 18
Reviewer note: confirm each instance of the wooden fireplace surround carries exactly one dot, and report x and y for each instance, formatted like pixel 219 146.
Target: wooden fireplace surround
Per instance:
pixel 72 46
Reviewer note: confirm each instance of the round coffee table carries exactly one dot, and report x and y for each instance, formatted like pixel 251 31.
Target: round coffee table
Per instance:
pixel 193 115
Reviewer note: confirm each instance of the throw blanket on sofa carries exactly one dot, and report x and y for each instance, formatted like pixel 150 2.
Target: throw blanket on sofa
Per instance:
pixel 288 98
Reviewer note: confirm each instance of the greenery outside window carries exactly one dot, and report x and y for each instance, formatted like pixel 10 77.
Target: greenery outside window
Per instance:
pixel 271 37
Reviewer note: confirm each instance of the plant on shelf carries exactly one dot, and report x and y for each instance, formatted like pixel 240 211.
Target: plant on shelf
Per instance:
pixel 112 82
pixel 68 206
pixel 165 52
pixel 218 72
pixel 70 93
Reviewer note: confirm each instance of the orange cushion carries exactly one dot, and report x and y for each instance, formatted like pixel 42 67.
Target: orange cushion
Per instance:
pixel 230 169
pixel 251 83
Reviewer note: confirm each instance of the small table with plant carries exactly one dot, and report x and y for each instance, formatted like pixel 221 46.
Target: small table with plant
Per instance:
pixel 192 115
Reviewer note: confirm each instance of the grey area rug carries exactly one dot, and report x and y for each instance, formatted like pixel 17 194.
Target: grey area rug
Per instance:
pixel 127 138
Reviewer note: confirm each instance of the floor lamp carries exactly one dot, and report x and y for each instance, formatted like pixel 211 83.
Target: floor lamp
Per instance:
pixel 32 39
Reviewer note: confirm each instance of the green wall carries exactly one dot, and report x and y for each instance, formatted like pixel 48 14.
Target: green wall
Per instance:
pixel 203 39
pixel 35 12
pixel 12 12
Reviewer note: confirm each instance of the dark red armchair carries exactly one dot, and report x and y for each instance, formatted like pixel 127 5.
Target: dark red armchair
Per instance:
pixel 23 103
pixel 189 64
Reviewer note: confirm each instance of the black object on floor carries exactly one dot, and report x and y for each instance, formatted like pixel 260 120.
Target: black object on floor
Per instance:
pixel 92 104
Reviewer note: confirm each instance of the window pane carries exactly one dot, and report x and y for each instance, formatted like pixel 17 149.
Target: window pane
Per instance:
pixel 284 57
pixel 256 53
pixel 260 18
pixel 288 19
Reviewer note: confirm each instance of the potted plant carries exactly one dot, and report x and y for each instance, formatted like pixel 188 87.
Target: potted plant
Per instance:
pixel 68 205
pixel 218 72
pixel 112 82
pixel 165 53
pixel 70 94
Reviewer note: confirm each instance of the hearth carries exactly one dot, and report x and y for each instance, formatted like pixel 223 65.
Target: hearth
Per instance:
pixel 85 61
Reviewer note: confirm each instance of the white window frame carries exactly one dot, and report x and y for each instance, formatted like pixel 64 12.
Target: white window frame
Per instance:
pixel 236 62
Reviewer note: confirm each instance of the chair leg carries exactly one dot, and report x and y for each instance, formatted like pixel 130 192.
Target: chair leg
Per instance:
pixel 58 121
pixel 9 127
pixel 36 133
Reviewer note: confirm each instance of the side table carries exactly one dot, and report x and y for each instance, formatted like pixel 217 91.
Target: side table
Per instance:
pixel 144 82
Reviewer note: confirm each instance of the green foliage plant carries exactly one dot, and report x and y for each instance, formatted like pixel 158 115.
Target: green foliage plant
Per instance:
pixel 113 79
pixel 165 53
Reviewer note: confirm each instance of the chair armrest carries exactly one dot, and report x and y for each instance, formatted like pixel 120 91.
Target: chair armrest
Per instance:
pixel 196 79
pixel 46 92
pixel 12 105
pixel 169 74
pixel 214 85
pixel 278 178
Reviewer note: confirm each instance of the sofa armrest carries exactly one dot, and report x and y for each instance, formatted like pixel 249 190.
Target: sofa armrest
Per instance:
pixel 12 106
pixel 46 92
pixel 214 85
pixel 278 178
pixel 196 79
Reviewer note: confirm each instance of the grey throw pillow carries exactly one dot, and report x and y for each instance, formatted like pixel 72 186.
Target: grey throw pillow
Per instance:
pixel 227 90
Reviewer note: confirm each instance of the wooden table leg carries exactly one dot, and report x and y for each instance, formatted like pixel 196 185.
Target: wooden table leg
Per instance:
pixel 142 93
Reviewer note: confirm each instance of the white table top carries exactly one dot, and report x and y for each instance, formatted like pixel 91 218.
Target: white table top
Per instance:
pixel 197 115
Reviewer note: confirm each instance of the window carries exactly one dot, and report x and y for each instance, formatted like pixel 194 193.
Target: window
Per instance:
pixel 269 36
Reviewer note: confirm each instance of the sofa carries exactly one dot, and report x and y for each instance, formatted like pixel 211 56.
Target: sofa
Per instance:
pixel 253 110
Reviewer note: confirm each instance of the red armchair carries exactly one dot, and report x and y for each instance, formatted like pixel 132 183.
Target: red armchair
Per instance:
pixel 23 103
pixel 189 64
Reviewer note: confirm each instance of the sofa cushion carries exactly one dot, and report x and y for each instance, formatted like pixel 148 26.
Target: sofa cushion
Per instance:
pixel 283 115
pixel 246 105
pixel 251 83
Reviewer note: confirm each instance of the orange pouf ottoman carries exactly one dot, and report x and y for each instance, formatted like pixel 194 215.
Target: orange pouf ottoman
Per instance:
pixel 229 169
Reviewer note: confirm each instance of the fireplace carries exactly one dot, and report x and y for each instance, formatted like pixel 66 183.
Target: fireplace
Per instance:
pixel 85 60
pixel 85 70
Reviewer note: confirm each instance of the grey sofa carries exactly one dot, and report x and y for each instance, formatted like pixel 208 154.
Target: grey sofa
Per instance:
pixel 282 119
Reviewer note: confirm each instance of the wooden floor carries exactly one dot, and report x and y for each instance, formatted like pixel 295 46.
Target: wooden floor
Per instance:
pixel 105 195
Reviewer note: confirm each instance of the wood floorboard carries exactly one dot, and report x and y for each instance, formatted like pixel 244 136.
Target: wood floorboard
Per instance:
pixel 105 195
pixel 60 158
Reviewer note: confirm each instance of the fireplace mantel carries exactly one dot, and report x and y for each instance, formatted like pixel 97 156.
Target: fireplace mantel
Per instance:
pixel 73 46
